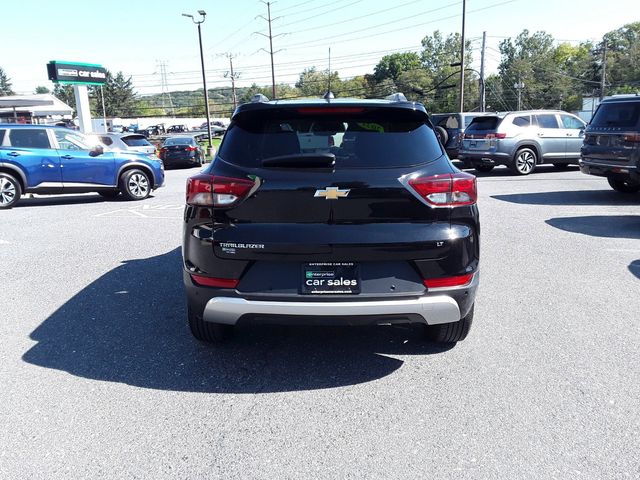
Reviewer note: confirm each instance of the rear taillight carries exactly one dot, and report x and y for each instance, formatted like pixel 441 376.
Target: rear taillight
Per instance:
pixel 491 136
pixel 212 191
pixel 191 149
pixel 632 138
pixel 446 190
pixel 215 282
pixel 445 282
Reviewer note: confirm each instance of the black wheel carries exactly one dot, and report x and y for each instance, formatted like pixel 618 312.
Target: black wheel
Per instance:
pixel 524 161
pixel 442 135
pixel 10 190
pixel 561 166
pixel 623 186
pixel 207 331
pixel 110 194
pixel 484 168
pixel 135 185
pixel 451 332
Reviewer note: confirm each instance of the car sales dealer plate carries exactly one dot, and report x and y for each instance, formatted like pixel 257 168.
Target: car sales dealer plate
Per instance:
pixel 330 278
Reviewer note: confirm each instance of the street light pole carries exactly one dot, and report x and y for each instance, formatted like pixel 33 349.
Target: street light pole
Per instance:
pixel 462 50
pixel 204 78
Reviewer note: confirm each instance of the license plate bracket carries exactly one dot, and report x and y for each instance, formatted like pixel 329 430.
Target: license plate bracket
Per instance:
pixel 333 278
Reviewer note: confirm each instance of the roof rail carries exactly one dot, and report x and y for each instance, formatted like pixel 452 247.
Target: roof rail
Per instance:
pixel 396 97
pixel 259 98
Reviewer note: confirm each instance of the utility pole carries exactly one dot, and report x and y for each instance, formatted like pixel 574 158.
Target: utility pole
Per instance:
pixel 270 51
pixel 462 49
pixel 483 99
pixel 233 76
pixel 165 87
pixel 604 69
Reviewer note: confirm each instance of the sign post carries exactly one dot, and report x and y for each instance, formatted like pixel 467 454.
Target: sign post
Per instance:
pixel 79 75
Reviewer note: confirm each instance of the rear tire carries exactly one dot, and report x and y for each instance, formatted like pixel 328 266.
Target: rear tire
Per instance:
pixel 623 186
pixel 442 135
pixel 135 185
pixel 207 331
pixel 483 168
pixel 10 191
pixel 524 161
pixel 451 332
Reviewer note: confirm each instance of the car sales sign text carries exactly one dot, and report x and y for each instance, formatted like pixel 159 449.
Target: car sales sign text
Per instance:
pixel 82 73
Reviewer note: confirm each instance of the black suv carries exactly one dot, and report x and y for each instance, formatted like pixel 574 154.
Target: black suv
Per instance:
pixel 612 143
pixel 340 212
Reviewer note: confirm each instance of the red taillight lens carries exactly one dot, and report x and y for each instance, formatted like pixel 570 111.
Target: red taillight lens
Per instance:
pixel 456 281
pixel 447 190
pixel 632 138
pixel 215 282
pixel 191 149
pixel 163 149
pixel 211 191
pixel 491 136
pixel 329 110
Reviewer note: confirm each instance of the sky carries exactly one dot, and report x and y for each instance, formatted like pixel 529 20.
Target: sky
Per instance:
pixel 136 37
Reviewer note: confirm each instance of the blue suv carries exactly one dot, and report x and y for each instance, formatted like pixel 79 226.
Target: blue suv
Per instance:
pixel 52 160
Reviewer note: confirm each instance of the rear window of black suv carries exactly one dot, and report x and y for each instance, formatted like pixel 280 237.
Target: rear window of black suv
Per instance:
pixel 617 115
pixel 358 137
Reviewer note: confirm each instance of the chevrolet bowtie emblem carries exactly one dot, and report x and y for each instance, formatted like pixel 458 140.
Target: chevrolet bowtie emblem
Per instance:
pixel 332 193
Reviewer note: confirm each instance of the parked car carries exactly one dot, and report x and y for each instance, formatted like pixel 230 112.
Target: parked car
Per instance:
pixel 177 129
pixel 611 146
pixel 522 140
pixel 153 130
pixel 449 128
pixel 135 142
pixel 374 225
pixel 217 128
pixel 52 160
pixel 182 151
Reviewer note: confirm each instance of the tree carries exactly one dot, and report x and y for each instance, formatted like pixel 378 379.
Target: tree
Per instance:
pixel 119 96
pixel 65 94
pixel 438 55
pixel 394 65
pixel 5 84
pixel 40 89
pixel 623 58
pixel 529 59
pixel 314 83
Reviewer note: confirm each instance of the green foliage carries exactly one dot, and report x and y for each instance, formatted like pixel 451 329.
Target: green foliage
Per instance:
pixel 65 94
pixel 394 65
pixel 314 83
pixel 119 96
pixel 41 89
pixel 5 84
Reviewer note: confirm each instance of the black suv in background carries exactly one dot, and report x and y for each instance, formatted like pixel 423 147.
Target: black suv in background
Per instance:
pixel 342 212
pixel 612 143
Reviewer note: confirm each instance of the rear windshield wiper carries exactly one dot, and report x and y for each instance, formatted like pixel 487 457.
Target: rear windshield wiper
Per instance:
pixel 301 160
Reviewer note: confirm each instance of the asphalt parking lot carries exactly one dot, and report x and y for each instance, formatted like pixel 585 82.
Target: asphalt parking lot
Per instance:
pixel 100 377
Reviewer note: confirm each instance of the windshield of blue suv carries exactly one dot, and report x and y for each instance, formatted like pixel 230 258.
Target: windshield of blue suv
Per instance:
pixel 617 115
pixel 365 139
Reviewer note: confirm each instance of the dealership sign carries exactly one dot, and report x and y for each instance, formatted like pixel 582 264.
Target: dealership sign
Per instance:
pixel 79 73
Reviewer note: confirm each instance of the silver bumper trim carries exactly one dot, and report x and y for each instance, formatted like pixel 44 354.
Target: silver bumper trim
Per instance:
pixel 433 309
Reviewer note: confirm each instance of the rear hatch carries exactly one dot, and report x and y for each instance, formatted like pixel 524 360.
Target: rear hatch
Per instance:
pixel 481 134
pixel 138 143
pixel 352 207
pixel 613 136
pixel 362 187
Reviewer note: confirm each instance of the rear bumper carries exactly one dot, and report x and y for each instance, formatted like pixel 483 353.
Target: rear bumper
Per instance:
pixel 603 169
pixel 485 158
pixel 429 310
pixel 435 307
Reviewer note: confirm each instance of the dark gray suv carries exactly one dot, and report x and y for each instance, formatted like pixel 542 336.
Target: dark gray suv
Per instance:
pixel 612 143
pixel 522 140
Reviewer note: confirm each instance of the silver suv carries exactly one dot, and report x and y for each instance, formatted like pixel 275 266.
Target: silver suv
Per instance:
pixel 522 140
